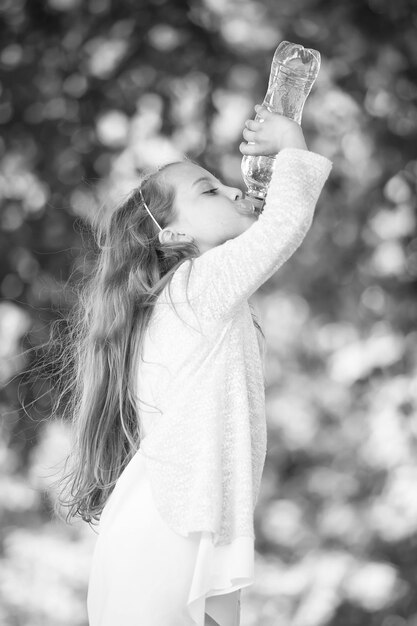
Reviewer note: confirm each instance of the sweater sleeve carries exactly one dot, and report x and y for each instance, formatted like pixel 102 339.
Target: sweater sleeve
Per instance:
pixel 226 275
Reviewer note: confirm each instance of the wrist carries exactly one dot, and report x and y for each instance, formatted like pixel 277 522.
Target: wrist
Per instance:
pixel 294 141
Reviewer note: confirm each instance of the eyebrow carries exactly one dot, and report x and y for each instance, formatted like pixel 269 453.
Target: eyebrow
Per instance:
pixel 204 178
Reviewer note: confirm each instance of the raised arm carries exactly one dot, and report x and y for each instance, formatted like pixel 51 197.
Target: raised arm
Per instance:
pixel 226 275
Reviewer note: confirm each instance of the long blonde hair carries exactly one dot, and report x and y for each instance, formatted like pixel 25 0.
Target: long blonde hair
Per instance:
pixel 105 331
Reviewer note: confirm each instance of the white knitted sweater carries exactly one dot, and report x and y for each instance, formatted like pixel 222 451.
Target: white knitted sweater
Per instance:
pixel 201 391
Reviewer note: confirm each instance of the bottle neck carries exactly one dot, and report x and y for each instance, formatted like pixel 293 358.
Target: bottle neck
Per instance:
pixel 257 200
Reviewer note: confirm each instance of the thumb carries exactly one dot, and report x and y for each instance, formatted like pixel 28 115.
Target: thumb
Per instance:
pixel 248 148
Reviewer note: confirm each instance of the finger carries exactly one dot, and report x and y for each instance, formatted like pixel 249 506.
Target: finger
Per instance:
pixel 248 148
pixel 249 135
pixel 262 112
pixel 253 125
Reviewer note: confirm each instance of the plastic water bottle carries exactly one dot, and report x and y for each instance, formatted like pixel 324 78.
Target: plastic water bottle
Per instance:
pixel 293 72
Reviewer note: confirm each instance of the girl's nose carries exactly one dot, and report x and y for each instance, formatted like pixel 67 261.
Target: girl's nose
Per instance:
pixel 237 193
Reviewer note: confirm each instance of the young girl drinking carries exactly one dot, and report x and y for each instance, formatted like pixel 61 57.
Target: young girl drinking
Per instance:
pixel 169 402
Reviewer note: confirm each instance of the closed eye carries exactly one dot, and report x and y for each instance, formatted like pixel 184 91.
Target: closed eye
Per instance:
pixel 211 190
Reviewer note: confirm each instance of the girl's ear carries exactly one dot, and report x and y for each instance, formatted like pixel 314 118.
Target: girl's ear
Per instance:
pixel 167 235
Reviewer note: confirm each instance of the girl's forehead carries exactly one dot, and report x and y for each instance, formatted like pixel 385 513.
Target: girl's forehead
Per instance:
pixel 185 174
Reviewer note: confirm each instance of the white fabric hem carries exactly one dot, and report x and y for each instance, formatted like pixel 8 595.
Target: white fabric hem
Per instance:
pixel 219 570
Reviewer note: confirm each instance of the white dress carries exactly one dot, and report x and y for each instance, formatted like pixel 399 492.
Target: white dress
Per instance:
pixel 176 536
pixel 145 574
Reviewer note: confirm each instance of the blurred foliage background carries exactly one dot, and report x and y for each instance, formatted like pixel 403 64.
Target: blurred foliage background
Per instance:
pixel 93 92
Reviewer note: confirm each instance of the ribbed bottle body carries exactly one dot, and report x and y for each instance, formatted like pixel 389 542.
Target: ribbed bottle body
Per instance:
pixel 293 72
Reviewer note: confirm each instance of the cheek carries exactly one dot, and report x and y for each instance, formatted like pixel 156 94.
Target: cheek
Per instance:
pixel 214 220
pixel 204 224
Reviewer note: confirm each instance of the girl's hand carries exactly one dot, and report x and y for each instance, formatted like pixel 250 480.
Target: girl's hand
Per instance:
pixel 271 135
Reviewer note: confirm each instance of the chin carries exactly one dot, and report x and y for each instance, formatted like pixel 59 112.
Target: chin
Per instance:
pixel 250 219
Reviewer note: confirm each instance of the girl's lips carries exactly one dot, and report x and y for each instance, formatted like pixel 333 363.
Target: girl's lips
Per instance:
pixel 246 206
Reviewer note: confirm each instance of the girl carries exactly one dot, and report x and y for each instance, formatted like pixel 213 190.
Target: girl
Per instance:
pixel 169 399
